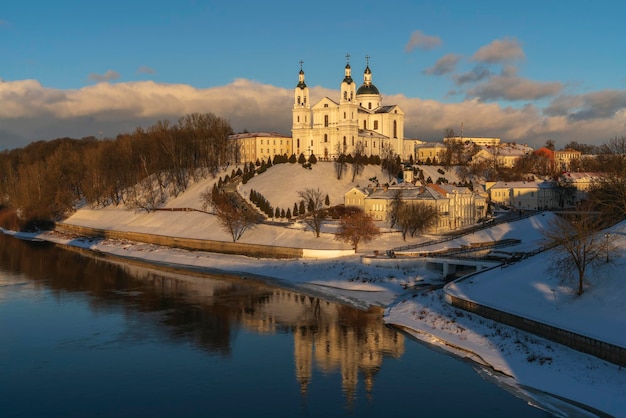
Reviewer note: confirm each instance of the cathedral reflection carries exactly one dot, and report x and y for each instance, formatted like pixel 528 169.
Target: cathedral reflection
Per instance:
pixel 208 310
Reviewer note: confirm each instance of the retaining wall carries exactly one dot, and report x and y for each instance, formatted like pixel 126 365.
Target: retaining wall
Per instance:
pixel 252 250
pixel 588 345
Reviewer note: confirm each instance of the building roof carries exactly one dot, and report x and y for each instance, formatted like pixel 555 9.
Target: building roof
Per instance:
pixel 257 135
pixel 367 89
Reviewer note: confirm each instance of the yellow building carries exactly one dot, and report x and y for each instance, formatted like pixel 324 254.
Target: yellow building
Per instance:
pixel 261 145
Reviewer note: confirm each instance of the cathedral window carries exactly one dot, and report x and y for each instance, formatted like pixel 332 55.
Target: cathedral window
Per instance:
pixel 298 142
pixel 326 121
pixel 395 129
pixel 345 95
pixel 298 119
pixel 364 124
pixel 369 105
pixel 344 141
pixel 344 115
pixel 298 99
pixel 325 104
pixel 375 124
pixel 352 141
pixel 325 137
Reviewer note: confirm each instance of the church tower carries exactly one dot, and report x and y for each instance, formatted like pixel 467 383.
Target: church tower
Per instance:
pixel 301 123
pixel 368 95
pixel 347 119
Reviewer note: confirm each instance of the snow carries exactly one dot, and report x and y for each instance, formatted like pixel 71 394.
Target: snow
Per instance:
pixel 532 365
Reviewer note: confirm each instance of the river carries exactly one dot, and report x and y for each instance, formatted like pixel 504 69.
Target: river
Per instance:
pixel 82 336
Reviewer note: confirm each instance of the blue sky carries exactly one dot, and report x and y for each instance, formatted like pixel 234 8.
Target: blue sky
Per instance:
pixel 523 71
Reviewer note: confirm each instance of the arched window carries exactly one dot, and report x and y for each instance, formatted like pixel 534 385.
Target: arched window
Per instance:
pixel 375 124
pixel 298 142
pixel 298 99
pixel 364 124
pixel 344 141
pixel 369 105
pixel 395 128
pixel 325 137
pixel 326 121
pixel 345 95
pixel 298 119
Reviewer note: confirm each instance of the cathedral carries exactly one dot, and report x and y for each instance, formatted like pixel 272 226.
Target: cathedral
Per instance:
pixel 358 120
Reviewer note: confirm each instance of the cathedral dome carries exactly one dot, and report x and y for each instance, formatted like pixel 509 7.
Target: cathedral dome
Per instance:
pixel 367 89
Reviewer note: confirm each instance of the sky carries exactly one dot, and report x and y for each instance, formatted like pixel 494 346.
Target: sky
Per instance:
pixel 522 71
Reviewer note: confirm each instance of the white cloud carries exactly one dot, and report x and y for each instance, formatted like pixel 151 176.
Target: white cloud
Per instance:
pixel 145 70
pixel 33 112
pixel 108 76
pixel 421 41
pixel 499 51
pixel 444 65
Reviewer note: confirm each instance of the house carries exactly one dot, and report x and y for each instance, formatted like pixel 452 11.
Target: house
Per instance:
pixel 253 146
pixel 457 207
pixel 525 195
pixel 505 155
pixel 563 158
pixel 429 151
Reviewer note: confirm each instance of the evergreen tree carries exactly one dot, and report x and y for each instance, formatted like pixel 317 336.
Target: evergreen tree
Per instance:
pixel 277 213
pixel 282 213
pixel 295 209
pixel 327 201
pixel 301 159
pixel 312 159
pixel 301 208
pixel 288 214
pixel 293 159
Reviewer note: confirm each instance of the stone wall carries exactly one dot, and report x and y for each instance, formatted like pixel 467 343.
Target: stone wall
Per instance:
pixel 252 250
pixel 585 344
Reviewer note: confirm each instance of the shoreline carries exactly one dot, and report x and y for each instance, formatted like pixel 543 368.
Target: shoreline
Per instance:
pixel 436 340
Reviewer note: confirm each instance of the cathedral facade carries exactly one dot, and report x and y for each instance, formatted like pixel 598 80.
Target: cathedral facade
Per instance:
pixel 357 120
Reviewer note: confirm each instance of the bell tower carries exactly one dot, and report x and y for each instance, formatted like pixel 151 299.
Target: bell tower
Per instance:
pixel 301 112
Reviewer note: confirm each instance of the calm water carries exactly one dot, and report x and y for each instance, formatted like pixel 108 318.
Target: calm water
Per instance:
pixel 80 336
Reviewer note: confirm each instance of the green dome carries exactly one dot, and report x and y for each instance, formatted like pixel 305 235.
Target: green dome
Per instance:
pixel 367 89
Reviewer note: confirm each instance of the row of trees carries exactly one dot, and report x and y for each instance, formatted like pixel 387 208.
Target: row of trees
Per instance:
pixel 46 178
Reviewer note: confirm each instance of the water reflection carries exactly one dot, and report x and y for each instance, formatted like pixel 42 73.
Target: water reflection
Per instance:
pixel 208 311
pixel 77 332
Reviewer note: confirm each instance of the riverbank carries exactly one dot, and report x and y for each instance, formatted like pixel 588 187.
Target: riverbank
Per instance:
pixel 517 358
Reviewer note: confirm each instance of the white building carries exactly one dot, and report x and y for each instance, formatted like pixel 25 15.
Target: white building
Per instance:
pixel 331 127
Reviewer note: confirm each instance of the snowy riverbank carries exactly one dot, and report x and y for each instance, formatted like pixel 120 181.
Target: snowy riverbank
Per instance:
pixel 530 364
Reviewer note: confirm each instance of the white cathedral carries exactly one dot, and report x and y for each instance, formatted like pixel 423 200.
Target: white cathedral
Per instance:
pixel 329 128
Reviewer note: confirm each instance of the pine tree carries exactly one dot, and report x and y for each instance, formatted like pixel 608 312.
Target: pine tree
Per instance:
pixel 313 159
pixel 327 201
pixel 301 208
pixel 288 214
pixel 301 159
pixel 282 213
pixel 277 213
pixel 295 209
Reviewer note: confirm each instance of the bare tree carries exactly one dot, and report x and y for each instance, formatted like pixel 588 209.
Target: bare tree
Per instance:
pixel 390 161
pixel 340 161
pixel 416 217
pixel 356 227
pixel 394 208
pixel 231 214
pixel 608 194
pixel 314 203
pixel 578 243
pixel 358 160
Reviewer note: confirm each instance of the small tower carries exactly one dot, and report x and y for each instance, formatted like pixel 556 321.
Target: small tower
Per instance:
pixel 368 95
pixel 301 113
pixel 348 86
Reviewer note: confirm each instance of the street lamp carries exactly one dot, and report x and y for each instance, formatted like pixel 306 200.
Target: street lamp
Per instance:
pixel 607 236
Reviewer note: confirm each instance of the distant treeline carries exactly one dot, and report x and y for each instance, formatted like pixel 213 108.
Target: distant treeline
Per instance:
pixel 44 180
